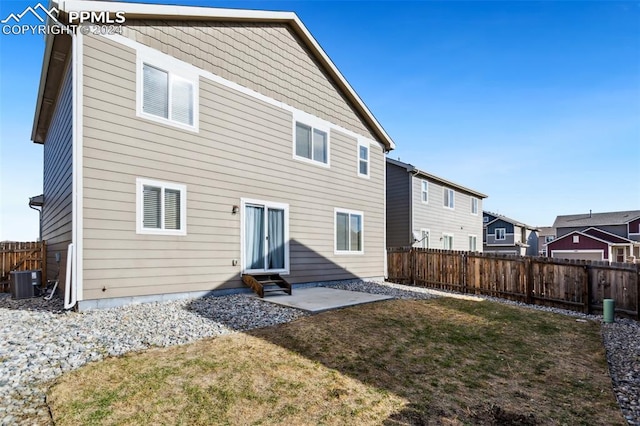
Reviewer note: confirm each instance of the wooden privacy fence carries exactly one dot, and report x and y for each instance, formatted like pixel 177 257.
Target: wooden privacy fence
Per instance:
pixel 570 284
pixel 21 256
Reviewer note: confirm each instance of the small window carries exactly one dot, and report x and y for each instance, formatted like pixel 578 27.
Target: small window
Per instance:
pixel 485 219
pixel 363 159
pixel 576 239
pixel 161 207
pixel 349 232
pixel 474 205
pixel 448 198
pixel 424 233
pixel 425 191
pixel 500 233
pixel 473 243
pixel 311 144
pixel 447 242
pixel 168 97
pixel 549 238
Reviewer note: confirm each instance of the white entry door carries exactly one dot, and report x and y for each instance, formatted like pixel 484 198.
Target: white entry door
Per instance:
pixel 265 237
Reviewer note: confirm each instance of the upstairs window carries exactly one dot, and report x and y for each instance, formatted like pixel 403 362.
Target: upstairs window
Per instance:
pixel 485 219
pixel 311 144
pixel 501 233
pixel 474 206
pixel 363 159
pixel 449 195
pixel 168 97
pixel 424 186
pixel 161 207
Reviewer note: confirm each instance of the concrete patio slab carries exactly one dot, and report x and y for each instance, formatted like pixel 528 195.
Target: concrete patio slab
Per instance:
pixel 320 299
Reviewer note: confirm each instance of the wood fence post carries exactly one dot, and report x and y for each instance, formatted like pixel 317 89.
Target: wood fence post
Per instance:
pixel 463 272
pixel 528 281
pixel 587 291
pixel 412 266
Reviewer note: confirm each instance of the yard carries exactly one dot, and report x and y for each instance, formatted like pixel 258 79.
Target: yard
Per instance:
pixel 438 361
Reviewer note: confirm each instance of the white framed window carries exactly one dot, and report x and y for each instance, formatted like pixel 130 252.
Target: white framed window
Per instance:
pixel 310 139
pixel 474 206
pixel 424 234
pixel 363 159
pixel 447 241
pixel 549 238
pixel 449 195
pixel 161 207
pixel 485 219
pixel 473 243
pixel 576 239
pixel 424 191
pixel 167 92
pixel 501 233
pixel 349 231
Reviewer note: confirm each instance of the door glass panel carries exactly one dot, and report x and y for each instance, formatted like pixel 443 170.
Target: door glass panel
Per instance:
pixel 275 239
pixel 254 236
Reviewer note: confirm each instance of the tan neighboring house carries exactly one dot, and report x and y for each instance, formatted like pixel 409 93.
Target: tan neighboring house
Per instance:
pixel 198 145
pixel 428 211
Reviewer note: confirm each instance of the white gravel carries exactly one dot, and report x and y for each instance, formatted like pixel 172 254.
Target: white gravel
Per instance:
pixel 39 341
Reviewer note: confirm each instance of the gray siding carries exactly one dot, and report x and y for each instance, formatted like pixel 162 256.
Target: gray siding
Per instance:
pixel 56 219
pixel 620 230
pixel 243 150
pixel 268 58
pixel 398 206
pixel 439 220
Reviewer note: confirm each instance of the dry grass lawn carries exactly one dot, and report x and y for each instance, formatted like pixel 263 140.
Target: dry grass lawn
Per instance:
pixel 442 361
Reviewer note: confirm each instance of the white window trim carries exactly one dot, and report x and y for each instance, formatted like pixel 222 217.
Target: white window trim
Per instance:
pixel 365 143
pixel 175 69
pixel 452 199
pixel 504 234
pixel 423 183
pixel 576 239
pixel 267 204
pixel 140 229
pixel 445 235
pixel 337 210
pixel 485 219
pixel 477 204
pixel 476 240
pixel 316 124
pixel 422 231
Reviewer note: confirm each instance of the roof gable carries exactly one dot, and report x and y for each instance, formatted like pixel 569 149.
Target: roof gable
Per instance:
pixel 143 21
pixel 607 236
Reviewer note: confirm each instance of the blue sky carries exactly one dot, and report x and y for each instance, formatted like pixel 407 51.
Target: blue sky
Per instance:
pixel 536 104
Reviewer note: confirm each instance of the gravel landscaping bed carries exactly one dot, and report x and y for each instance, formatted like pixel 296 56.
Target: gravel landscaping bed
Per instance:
pixel 39 341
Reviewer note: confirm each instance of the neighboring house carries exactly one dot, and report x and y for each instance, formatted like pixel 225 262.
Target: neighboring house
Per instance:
pixel 507 236
pixel 546 234
pixel 610 236
pixel 430 212
pixel 199 145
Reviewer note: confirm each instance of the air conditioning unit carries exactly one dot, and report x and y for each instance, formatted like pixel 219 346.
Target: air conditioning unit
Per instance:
pixel 23 283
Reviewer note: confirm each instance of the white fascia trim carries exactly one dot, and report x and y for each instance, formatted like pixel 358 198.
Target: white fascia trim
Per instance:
pixel 337 210
pixel 143 50
pixel 141 9
pixel 77 165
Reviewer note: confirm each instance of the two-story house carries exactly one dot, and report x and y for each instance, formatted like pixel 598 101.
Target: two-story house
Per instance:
pixel 193 146
pixel 610 236
pixel 507 236
pixel 427 211
pixel 546 234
